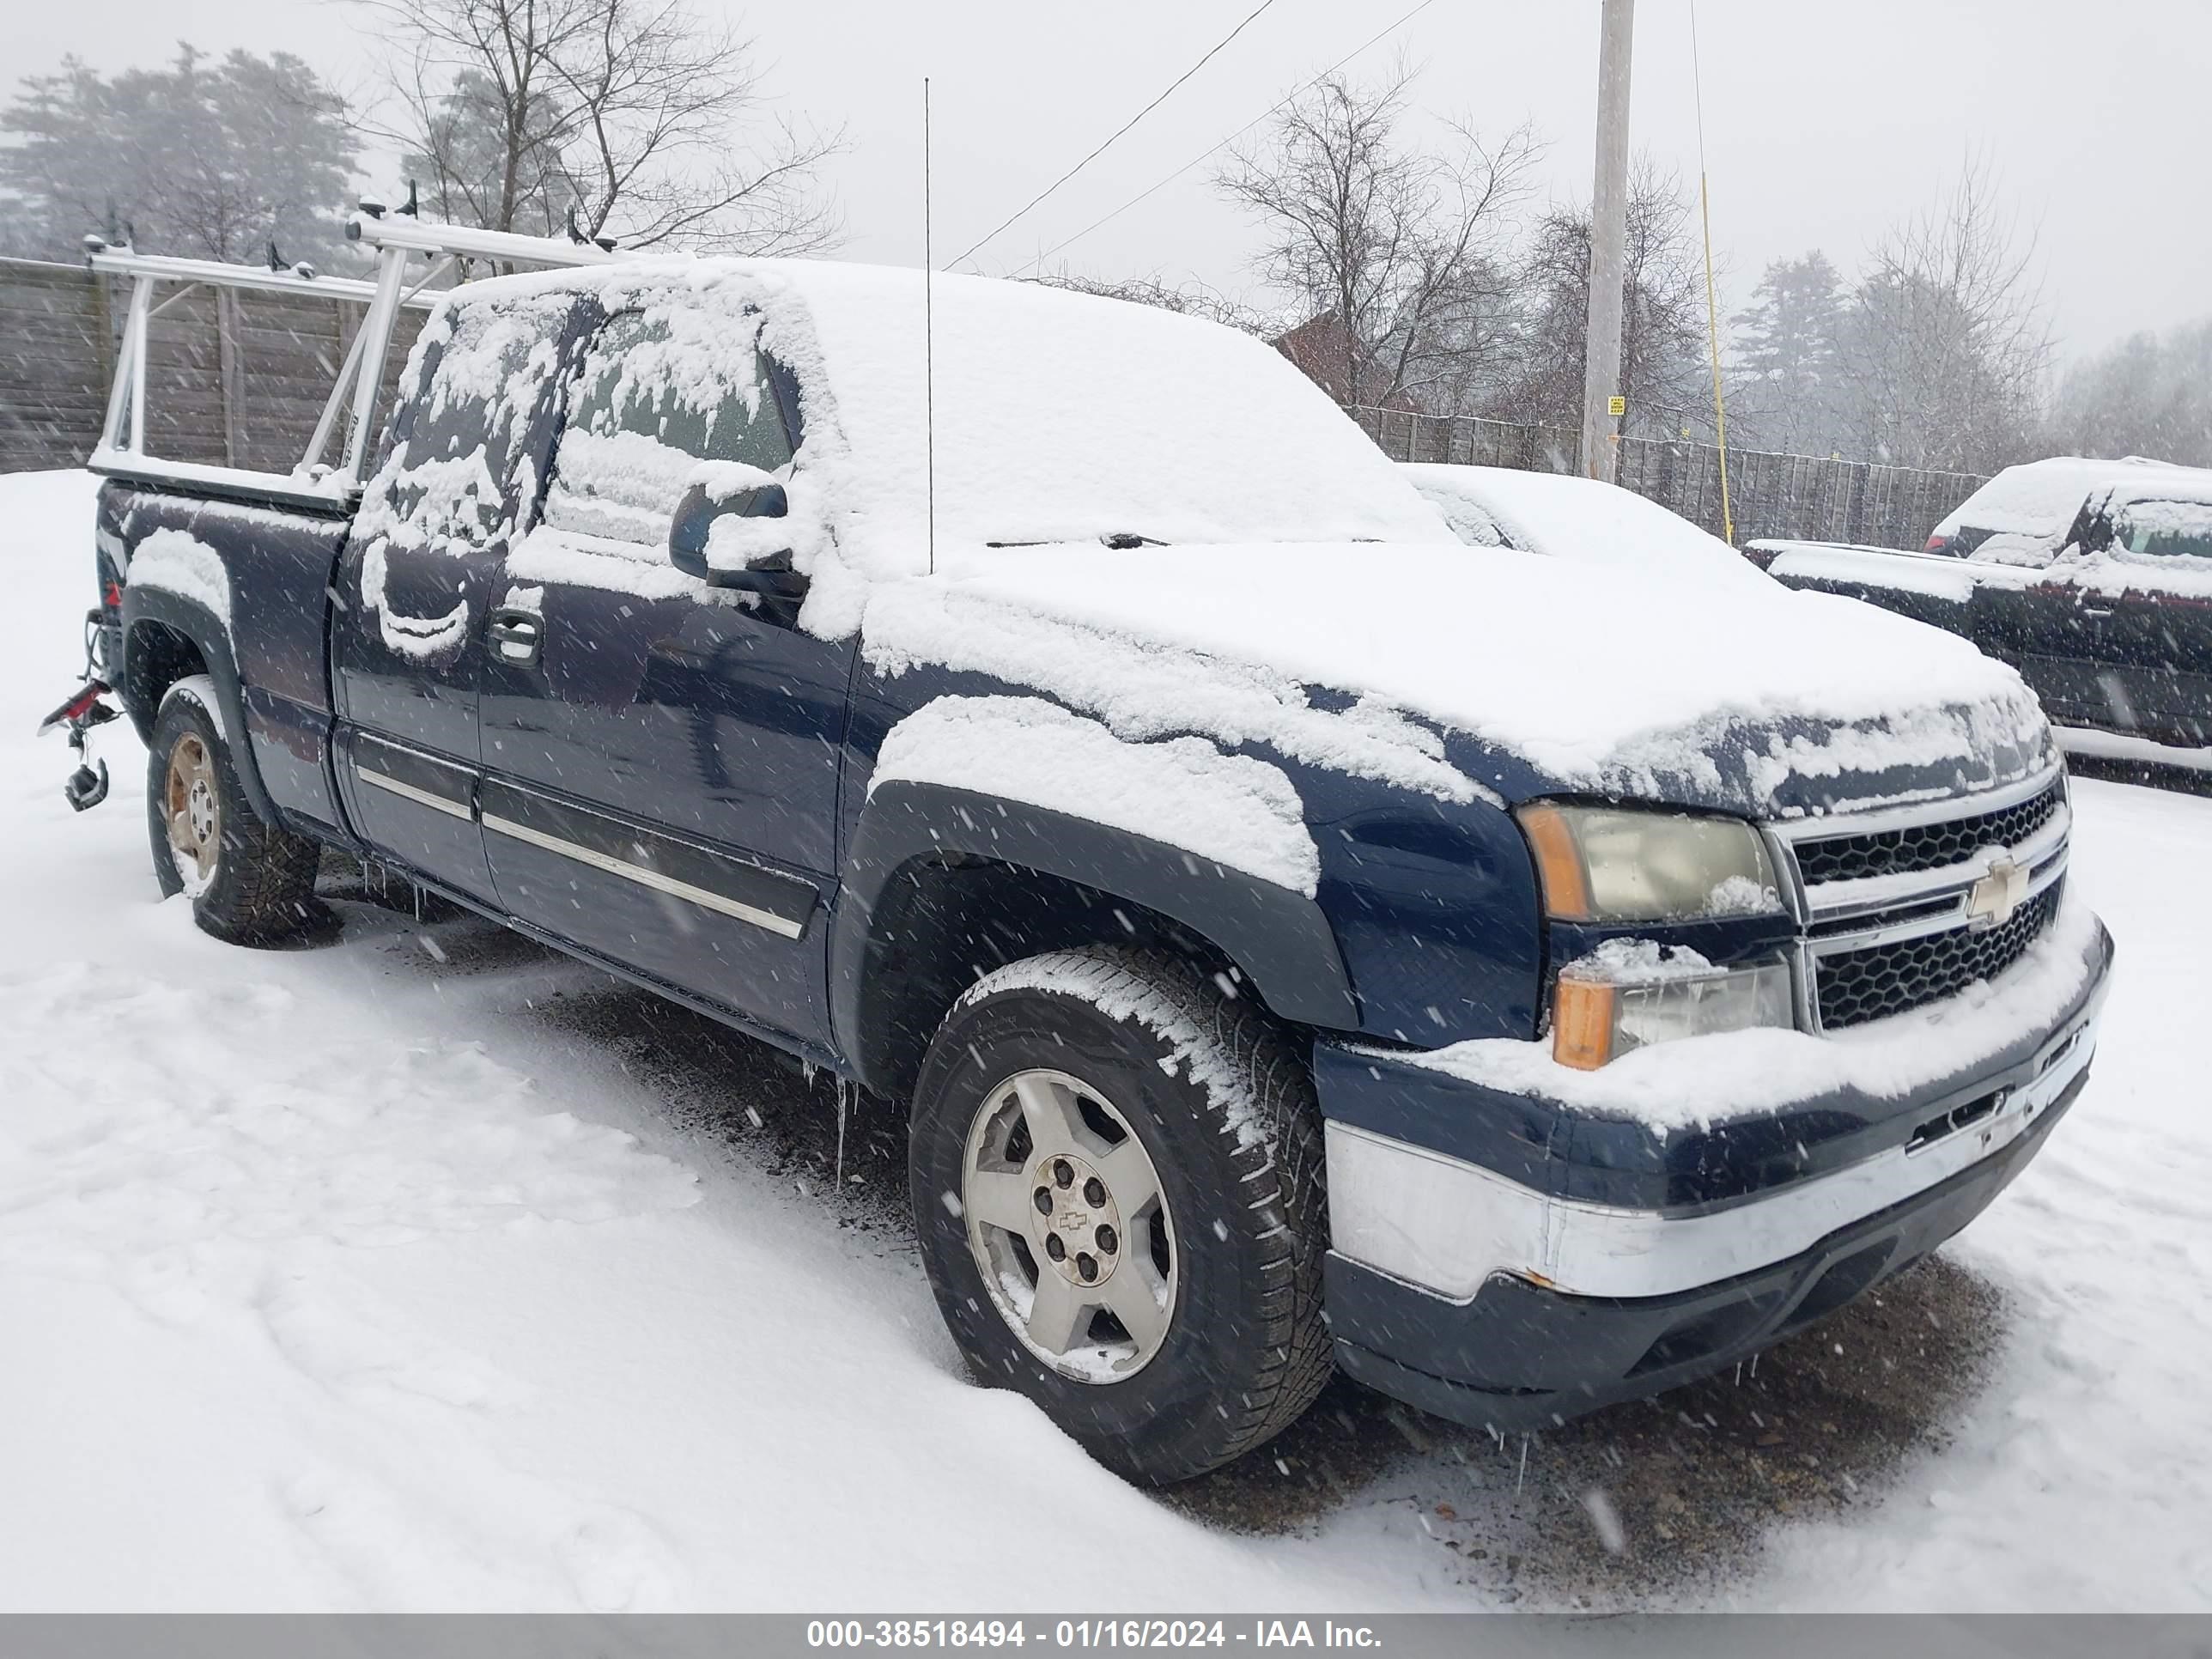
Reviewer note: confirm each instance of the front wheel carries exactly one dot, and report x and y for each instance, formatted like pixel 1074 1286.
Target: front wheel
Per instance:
pixel 1117 1182
pixel 250 882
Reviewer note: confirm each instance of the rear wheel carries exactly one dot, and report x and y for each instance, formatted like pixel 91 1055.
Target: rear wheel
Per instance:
pixel 1117 1185
pixel 250 882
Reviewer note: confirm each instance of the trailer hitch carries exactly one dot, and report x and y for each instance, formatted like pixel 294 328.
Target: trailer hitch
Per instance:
pixel 87 786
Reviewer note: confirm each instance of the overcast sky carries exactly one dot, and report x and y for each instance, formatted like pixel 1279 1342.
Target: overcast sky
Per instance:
pixel 1824 122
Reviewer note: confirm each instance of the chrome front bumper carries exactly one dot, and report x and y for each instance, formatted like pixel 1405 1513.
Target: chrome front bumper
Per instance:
pixel 1446 1226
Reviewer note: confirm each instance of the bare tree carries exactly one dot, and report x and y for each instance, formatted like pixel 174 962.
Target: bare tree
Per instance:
pixel 2148 395
pixel 490 156
pixel 629 118
pixel 1397 256
pixel 1945 349
pixel 1662 360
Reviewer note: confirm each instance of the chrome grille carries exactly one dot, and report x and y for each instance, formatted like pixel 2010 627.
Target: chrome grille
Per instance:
pixel 1911 847
pixel 1888 900
pixel 1855 986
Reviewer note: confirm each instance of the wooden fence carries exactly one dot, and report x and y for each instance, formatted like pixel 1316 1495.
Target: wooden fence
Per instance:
pixel 1807 497
pixel 58 340
pixel 234 378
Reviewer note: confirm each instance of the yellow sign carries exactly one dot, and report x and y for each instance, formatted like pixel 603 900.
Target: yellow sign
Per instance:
pixel 1616 405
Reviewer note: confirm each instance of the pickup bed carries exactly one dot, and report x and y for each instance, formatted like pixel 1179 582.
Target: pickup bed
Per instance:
pixel 1301 938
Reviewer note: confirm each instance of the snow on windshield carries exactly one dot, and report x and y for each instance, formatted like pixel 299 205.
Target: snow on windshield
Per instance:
pixel 1578 518
pixel 1443 490
pixel 1066 418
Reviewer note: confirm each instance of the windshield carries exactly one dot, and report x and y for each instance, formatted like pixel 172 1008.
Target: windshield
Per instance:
pixel 1061 417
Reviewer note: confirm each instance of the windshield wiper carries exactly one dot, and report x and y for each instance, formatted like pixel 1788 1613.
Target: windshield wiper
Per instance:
pixel 1120 540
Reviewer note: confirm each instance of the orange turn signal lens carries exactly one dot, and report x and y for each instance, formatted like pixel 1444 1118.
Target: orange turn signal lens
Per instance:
pixel 1583 1023
pixel 1559 862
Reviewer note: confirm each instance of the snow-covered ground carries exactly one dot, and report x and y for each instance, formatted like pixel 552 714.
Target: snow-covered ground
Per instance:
pixel 423 1269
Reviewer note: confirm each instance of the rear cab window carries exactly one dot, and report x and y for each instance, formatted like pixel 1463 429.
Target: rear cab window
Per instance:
pixel 458 472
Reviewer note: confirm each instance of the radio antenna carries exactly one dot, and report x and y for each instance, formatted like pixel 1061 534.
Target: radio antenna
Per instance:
pixel 929 336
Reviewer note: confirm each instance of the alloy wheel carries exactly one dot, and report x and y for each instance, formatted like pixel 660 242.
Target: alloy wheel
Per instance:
pixel 1069 1226
pixel 193 812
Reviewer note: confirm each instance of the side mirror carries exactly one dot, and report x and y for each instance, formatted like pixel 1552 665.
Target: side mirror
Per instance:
pixel 768 574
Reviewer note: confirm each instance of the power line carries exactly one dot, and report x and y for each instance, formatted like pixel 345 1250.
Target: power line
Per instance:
pixel 1171 179
pixel 1131 122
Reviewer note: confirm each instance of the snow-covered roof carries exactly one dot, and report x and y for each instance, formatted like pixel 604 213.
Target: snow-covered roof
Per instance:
pixel 2191 484
pixel 2039 498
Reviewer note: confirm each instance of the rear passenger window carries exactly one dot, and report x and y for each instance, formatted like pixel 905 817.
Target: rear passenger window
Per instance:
pixel 647 407
pixel 485 371
pixel 2165 530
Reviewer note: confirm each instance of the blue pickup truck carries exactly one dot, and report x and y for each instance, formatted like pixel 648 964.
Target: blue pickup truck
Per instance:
pixel 1526 967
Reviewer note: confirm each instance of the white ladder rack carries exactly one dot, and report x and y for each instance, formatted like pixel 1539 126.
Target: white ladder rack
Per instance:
pixel 397 239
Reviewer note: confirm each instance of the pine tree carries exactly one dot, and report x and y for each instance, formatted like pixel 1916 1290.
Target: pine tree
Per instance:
pixel 1786 393
pixel 206 158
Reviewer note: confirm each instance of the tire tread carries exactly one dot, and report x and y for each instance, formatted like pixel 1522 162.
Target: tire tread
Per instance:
pixel 1283 1172
pixel 265 889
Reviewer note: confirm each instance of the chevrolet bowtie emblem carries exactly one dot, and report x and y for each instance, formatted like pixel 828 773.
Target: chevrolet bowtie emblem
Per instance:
pixel 1992 901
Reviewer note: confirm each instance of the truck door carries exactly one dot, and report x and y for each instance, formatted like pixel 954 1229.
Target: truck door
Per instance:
pixel 2154 580
pixel 2029 611
pixel 661 775
pixel 415 587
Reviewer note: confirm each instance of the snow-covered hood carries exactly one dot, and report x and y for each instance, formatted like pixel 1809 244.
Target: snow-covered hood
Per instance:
pixel 1478 671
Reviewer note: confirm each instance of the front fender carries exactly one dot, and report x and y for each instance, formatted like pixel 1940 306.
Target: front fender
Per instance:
pixel 1279 939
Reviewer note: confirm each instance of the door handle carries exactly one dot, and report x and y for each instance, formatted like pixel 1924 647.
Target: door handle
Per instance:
pixel 2093 610
pixel 517 636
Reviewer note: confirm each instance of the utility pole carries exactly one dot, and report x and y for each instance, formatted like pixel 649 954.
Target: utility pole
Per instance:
pixel 1609 242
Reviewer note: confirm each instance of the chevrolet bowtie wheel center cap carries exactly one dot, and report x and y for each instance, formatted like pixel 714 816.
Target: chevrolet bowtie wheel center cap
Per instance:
pixel 1076 1227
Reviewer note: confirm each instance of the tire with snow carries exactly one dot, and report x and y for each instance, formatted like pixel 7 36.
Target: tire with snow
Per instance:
pixel 250 882
pixel 1117 1183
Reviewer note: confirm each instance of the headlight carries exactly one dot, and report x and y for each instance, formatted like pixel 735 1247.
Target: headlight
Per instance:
pixel 1630 994
pixel 1610 864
